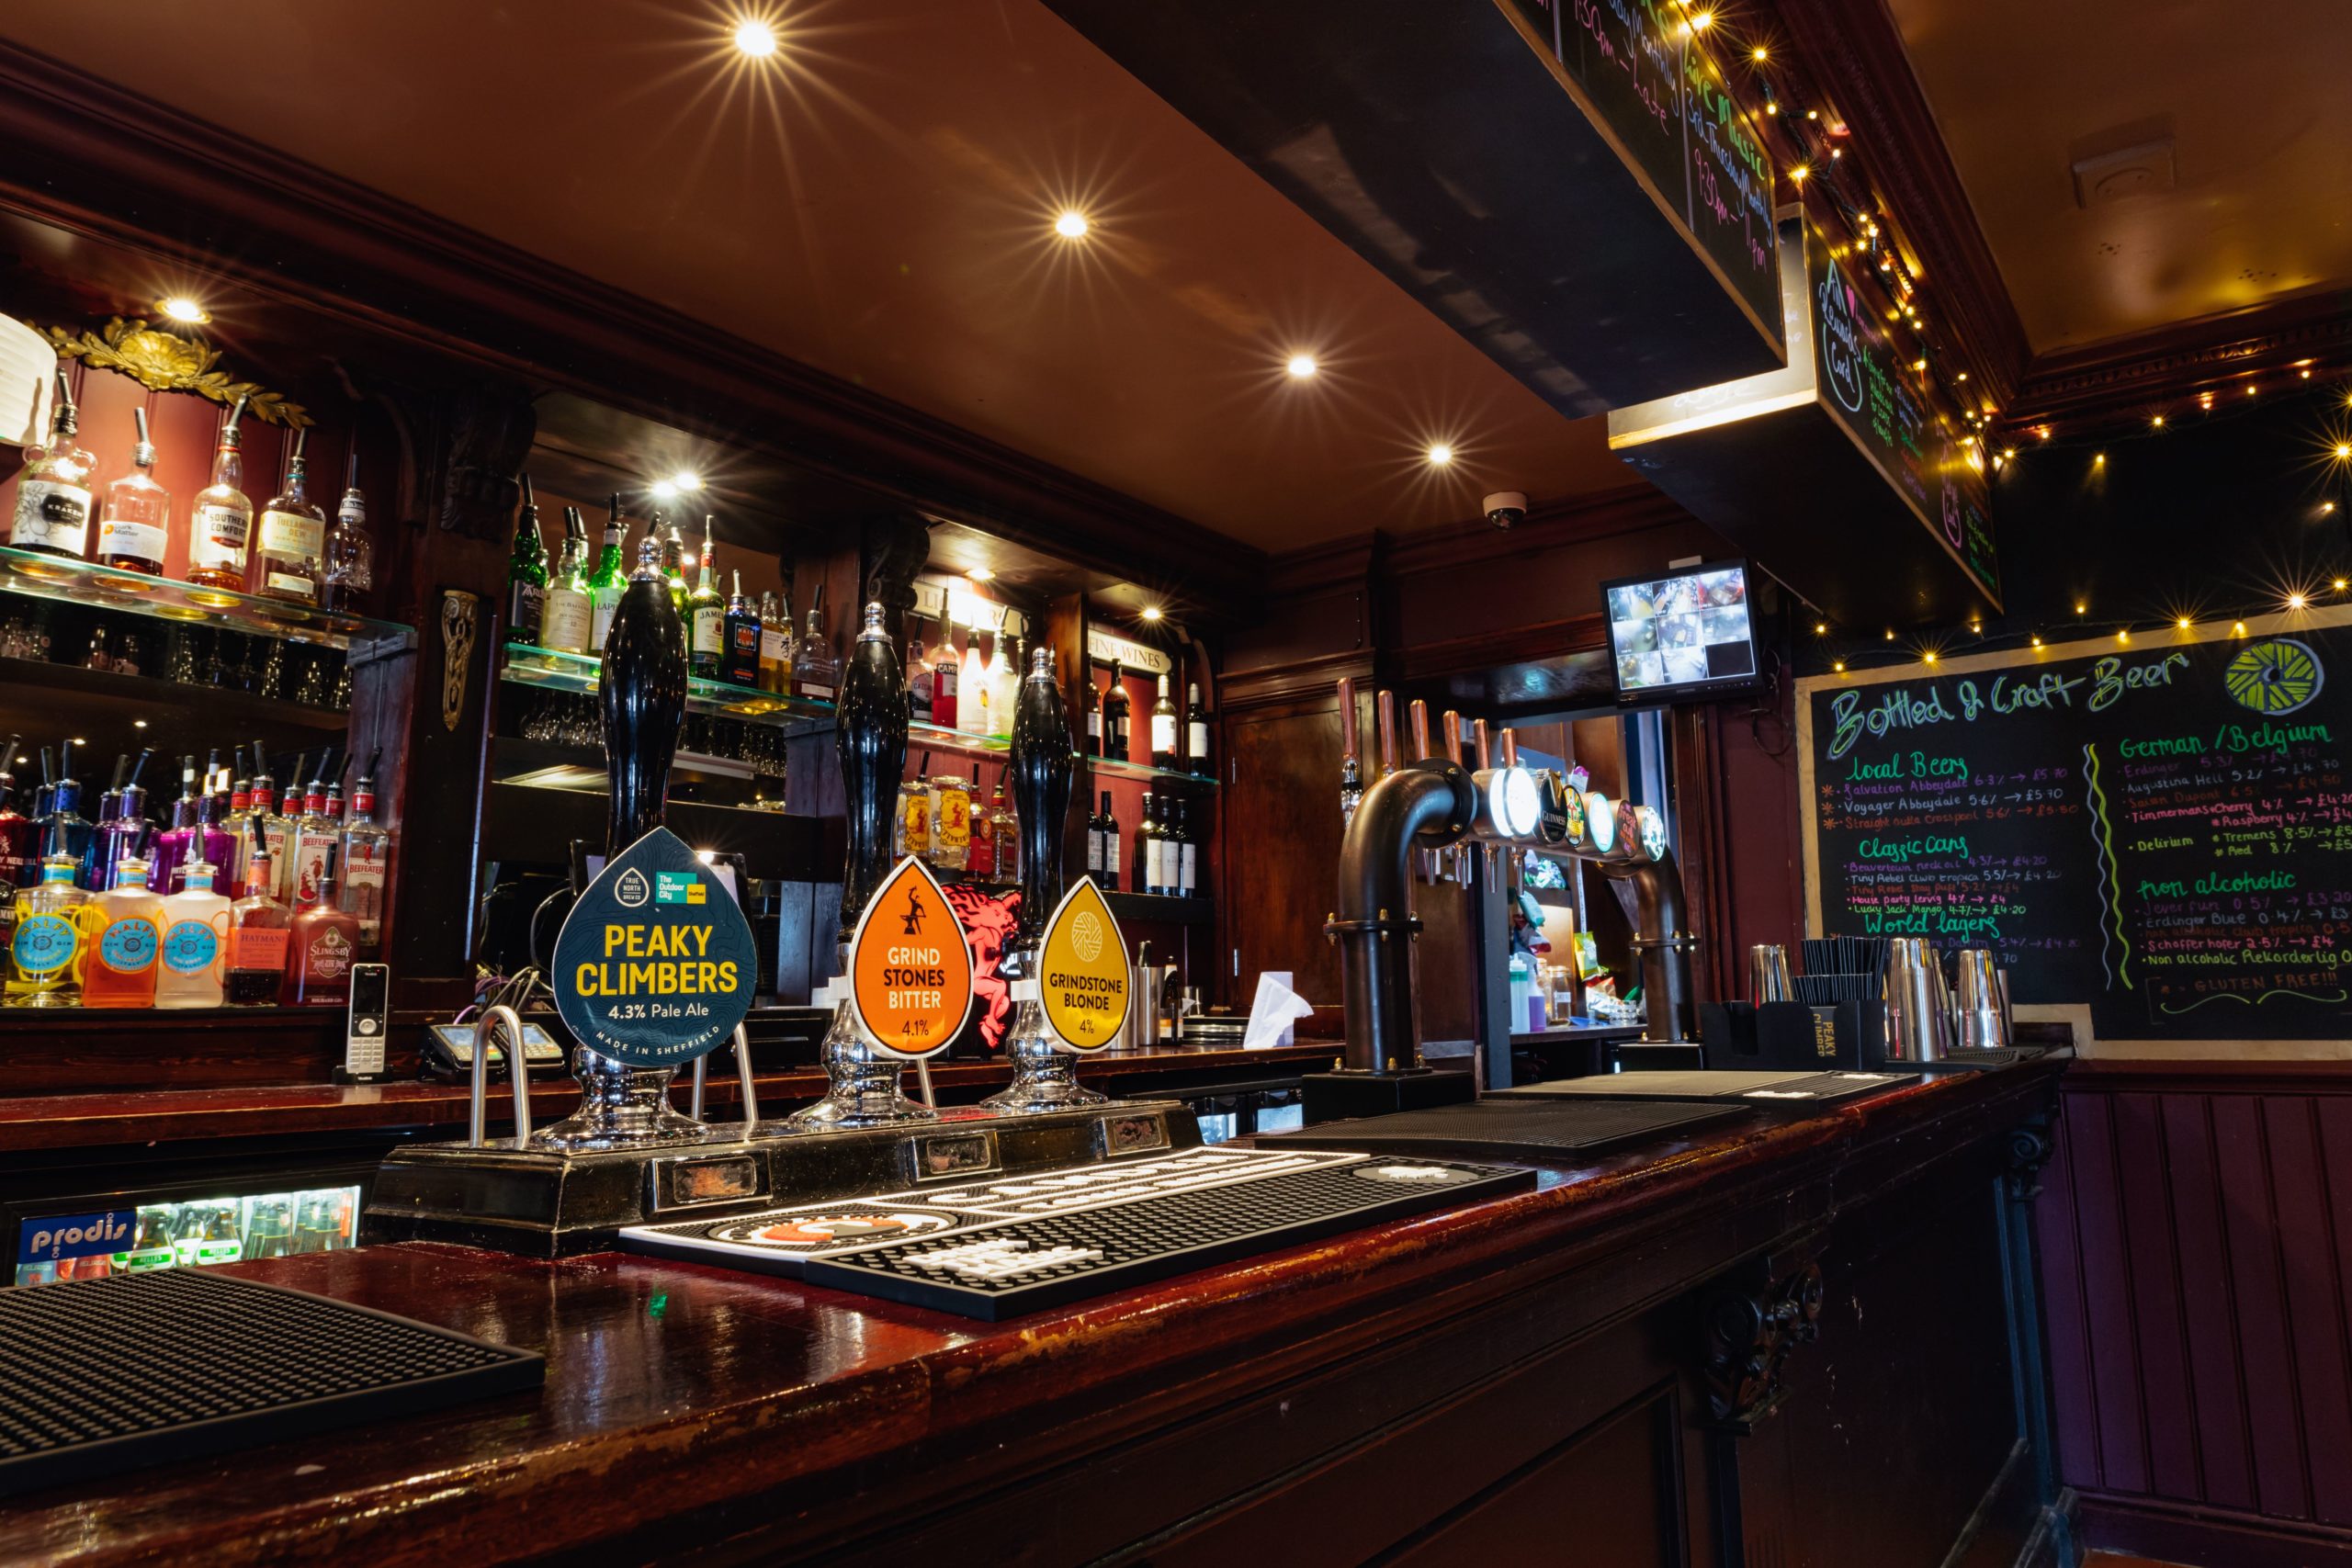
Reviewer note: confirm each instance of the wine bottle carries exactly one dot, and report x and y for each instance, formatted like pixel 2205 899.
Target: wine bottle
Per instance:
pixel 1196 734
pixel 527 574
pixel 1112 844
pixel 871 740
pixel 609 580
pixel 1163 730
pixel 1115 716
pixel 1095 860
pixel 1039 761
pixel 643 693
pixel 1147 847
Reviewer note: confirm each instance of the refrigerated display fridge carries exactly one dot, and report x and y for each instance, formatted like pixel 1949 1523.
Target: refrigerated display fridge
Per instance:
pixel 180 1225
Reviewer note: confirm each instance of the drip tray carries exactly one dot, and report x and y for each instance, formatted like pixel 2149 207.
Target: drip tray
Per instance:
pixel 132 1369
pixel 1536 1130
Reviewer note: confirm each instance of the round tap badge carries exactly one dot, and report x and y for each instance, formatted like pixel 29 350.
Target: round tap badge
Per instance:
pixel 655 965
pixel 1083 980
pixel 910 965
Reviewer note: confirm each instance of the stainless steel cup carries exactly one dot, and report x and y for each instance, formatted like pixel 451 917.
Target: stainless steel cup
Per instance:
pixel 1768 973
pixel 1982 1026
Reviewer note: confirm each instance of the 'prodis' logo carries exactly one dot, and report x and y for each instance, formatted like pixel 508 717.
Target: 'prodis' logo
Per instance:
pixel 632 890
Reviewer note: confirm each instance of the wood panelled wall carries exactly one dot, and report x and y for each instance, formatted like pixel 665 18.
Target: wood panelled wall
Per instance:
pixel 2196 1234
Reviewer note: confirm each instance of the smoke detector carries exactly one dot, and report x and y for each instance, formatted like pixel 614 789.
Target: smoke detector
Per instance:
pixel 2142 169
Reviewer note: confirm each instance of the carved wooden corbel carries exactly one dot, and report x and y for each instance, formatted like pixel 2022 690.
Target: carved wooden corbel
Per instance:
pixel 1756 1315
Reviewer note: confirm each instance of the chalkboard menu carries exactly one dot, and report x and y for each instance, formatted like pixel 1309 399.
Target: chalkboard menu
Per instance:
pixel 1879 402
pixel 2160 829
pixel 1655 90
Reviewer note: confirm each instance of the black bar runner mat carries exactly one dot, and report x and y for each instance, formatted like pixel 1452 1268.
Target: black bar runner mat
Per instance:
pixel 1546 1131
pixel 1000 1270
pixel 127 1370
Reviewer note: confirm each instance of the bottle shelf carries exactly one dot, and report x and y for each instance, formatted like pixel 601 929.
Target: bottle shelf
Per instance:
pixel 926 737
pixel 119 713
pixel 552 671
pixel 32 575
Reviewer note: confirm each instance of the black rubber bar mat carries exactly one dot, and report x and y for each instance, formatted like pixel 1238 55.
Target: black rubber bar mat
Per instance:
pixel 1971 1061
pixel 1544 1129
pixel 1762 1089
pixel 1002 1270
pixel 127 1370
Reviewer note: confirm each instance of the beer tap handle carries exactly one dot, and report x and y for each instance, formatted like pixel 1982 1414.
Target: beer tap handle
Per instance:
pixel 1510 748
pixel 1347 715
pixel 1418 716
pixel 1451 738
pixel 1385 715
pixel 1478 739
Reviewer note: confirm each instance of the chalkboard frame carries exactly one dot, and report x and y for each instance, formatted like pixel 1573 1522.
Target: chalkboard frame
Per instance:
pixel 2077 1015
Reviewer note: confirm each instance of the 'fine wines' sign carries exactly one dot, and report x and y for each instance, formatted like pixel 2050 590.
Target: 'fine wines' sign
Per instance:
pixel 655 965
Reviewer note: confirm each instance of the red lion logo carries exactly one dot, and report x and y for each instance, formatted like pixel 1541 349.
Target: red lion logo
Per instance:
pixel 989 922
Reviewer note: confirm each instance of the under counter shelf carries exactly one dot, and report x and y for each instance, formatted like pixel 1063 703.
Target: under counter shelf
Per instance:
pixel 550 671
pixel 59 578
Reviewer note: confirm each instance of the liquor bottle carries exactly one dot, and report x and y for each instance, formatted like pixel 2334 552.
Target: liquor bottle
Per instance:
pixel 739 660
pixel 1163 730
pixel 45 948
pixel 196 935
pixel 266 831
pixel 972 689
pixel 318 834
pixel 1149 845
pixel 607 581
pixel 526 573
pixel 1093 700
pixel 290 558
pixel 919 678
pixel 946 673
pixel 910 828
pixel 366 856
pixel 19 847
pixel 1004 684
pixel 979 856
pixel 1096 860
pixel 124 833
pixel 210 841
pixel 255 961
pixel 220 516
pixel 350 582
pixel 1187 880
pixel 1196 734
pixel 951 821
pixel 1004 828
pixel 126 923
pixel 1112 844
pixel 170 849
pixel 92 874
pixel 776 647
pixel 706 618
pixel 269 1226
pixel 1039 765
pixel 567 615
pixel 674 571
pixel 53 493
pixel 62 830
pixel 321 944
pixel 135 526
pixel 643 697
pixel 1115 716
pixel 815 674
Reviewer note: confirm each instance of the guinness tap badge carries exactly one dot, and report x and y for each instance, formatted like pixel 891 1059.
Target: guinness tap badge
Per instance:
pixel 910 965
pixel 1083 978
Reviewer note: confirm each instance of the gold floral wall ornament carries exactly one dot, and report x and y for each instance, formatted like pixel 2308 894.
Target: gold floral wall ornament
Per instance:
pixel 167 362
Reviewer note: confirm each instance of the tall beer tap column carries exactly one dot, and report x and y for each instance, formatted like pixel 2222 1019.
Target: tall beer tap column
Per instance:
pixel 871 739
pixel 1044 1077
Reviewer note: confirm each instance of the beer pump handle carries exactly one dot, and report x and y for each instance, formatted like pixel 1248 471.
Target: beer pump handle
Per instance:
pixel 1452 738
pixel 1417 716
pixel 1478 739
pixel 1510 748
pixel 1385 715
pixel 1347 715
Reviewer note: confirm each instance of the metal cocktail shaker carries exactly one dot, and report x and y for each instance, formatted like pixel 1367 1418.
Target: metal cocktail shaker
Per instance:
pixel 1768 973
pixel 1983 1019
pixel 1916 1023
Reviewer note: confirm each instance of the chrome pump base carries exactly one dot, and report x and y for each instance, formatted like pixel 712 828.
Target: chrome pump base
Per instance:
pixel 864 1091
pixel 1045 1075
pixel 621 1107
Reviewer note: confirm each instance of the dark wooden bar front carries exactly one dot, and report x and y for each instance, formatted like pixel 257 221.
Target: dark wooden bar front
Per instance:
pixel 1614 1369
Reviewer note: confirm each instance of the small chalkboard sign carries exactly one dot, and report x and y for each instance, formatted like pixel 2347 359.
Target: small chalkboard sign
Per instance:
pixel 655 965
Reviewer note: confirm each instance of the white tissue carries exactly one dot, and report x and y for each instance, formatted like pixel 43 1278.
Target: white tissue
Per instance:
pixel 1273 1012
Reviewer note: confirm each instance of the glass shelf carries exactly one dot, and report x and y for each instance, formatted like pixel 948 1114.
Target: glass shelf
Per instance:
pixel 925 737
pixel 553 671
pixel 37 576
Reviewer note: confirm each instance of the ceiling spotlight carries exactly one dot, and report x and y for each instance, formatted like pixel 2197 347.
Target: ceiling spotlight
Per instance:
pixel 138 724
pixel 2036 641
pixel 2081 608
pixel 2098 459
pixel 980 574
pixel 2340 585
pixel 1300 365
pixel 2158 421
pixel 2343 450
pixel 2239 629
pixel 664 489
pixel 1439 455
pixel 2123 637
pixel 1071 225
pixel 1840 666
pixel 1757 54
pixel 2294 602
pixel 1929 657
pixel 1821 628
pixel 685 479
pixel 1797 172
pixel 1152 612
pixel 79 741
pixel 755 37
pixel 2182 623
pixel 180 308
pixel 1890 634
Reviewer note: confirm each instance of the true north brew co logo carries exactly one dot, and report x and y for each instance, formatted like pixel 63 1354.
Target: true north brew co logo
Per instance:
pixel 655 965
pixel 1083 980
pixel 910 965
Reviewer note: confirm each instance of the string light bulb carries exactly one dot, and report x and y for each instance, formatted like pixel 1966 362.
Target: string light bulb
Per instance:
pixel 1757 54
pixel 2296 601
pixel 2183 623
pixel 1839 665
pixel 1929 657
pixel 2037 640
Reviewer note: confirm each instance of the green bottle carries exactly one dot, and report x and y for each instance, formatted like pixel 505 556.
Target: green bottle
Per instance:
pixel 604 584
pixel 527 574
pixel 673 564
pixel 705 619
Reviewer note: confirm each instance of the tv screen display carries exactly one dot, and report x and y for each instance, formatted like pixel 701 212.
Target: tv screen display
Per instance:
pixel 1681 634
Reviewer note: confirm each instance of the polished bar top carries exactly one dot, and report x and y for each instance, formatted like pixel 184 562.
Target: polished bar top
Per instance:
pixel 685 1406
pixel 86 1121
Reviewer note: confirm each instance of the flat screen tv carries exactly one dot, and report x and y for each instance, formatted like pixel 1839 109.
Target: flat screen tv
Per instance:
pixel 1676 636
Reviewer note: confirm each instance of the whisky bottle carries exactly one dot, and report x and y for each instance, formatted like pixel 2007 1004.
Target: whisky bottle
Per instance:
pixel 1196 734
pixel 607 581
pixel 739 660
pixel 815 674
pixel 527 574
pixel 673 569
pixel 321 944
pixel 775 646
pixel 255 961
pixel 706 618
pixel 1115 707
pixel 918 676
pixel 220 518
pixel 566 614
pixel 349 586
pixel 53 493
pixel 45 949
pixel 1163 730
pixel 293 538
pixel 135 526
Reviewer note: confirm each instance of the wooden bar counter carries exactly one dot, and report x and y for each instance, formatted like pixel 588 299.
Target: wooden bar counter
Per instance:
pixel 1703 1352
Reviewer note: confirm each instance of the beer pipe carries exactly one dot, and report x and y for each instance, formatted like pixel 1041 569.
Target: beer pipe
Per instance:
pixel 643 694
pixel 1044 1077
pixel 870 737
